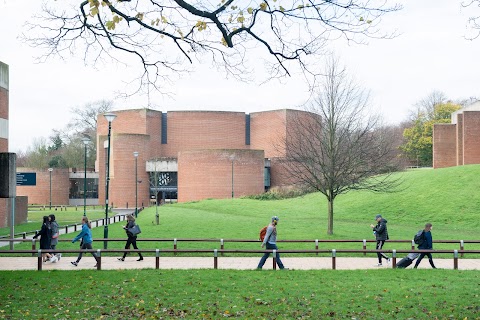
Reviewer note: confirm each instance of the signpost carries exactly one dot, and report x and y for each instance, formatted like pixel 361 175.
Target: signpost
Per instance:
pixel 26 178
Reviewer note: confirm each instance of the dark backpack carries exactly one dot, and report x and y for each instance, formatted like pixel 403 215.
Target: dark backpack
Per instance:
pixel 419 237
pixel 263 232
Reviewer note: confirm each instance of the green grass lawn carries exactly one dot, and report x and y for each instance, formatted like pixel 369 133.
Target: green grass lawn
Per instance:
pixel 219 294
pixel 448 198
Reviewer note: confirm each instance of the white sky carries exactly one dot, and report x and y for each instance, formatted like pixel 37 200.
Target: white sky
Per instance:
pixel 430 54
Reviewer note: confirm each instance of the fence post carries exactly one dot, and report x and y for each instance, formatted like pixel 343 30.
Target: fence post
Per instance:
pixel 334 259
pixel 461 247
pixel 75 227
pixel 455 259
pixel 221 245
pixel 40 260
pixel 175 246
pixel 99 259
pixel 66 229
pixel 33 246
pixel 215 259
pixel 413 245
pixel 394 258
pixel 316 246
pixel 24 236
pixel 365 246
pixel 157 258
pixel 274 259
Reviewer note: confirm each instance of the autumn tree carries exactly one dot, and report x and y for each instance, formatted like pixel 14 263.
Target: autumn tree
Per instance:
pixel 339 146
pixel 418 145
pixel 165 36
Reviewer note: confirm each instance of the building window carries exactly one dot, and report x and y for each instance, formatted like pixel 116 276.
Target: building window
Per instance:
pixel 164 128
pixel 77 188
pixel 247 129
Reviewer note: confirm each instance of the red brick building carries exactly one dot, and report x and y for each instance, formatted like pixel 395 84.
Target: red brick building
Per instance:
pixel 7 162
pixel 458 143
pixel 190 155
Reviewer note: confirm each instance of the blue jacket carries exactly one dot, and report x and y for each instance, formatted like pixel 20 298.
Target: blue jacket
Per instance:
pixel 85 234
pixel 428 243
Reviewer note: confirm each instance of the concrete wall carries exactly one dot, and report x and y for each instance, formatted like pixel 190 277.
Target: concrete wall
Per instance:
pixel 21 211
pixel 4 107
pixel 40 193
pixel 208 174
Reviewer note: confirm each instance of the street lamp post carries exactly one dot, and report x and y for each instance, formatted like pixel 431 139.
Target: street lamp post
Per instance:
pixel 135 154
pixel 110 117
pixel 50 172
pixel 85 142
pixel 232 179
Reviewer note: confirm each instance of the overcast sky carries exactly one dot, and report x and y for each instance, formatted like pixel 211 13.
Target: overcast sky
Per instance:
pixel 431 53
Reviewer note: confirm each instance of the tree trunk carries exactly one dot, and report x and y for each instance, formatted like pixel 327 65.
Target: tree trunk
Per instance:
pixel 330 216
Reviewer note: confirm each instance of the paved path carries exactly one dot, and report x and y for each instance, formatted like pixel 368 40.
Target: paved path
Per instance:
pixel 250 263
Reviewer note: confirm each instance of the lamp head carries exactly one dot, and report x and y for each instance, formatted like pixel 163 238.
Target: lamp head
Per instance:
pixel 110 117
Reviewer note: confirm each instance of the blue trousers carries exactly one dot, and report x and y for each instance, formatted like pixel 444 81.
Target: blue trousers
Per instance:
pixel 267 254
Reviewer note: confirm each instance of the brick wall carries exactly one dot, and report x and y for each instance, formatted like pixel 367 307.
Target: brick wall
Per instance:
pixel 267 132
pixel 444 145
pixel 21 211
pixel 208 174
pixel 459 139
pixel 3 118
pixel 40 193
pixel 471 137
pixel 194 130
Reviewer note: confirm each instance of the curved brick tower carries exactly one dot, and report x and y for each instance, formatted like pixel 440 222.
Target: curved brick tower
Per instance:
pixel 3 107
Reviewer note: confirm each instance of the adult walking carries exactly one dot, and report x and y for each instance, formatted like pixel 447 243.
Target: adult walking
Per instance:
pixel 270 241
pixel 55 233
pixel 381 235
pixel 132 238
pixel 86 236
pixel 45 234
pixel 426 244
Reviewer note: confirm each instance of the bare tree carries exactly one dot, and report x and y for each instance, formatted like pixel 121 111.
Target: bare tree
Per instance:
pixel 474 20
pixel 84 120
pixel 164 35
pixel 425 107
pixel 337 146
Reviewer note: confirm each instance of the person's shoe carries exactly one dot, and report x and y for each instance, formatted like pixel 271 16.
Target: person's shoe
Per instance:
pixel 59 256
pixel 284 269
pixel 140 259
pixel 95 265
pixel 378 265
pixel 75 263
pixel 389 260
pixel 121 259
pixel 53 259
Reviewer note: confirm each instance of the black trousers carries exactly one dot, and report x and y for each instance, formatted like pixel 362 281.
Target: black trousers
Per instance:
pixel 430 259
pixel 380 255
pixel 131 241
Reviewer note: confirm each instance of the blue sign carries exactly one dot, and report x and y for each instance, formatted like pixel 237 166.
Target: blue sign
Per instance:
pixel 26 178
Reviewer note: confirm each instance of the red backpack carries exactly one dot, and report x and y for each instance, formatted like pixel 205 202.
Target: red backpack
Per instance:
pixel 263 232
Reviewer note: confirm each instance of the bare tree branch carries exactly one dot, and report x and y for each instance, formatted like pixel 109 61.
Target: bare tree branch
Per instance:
pixel 167 36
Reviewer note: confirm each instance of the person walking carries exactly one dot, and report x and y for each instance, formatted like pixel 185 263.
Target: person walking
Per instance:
pixel 86 236
pixel 427 244
pixel 55 233
pixel 132 238
pixel 270 241
pixel 45 234
pixel 381 235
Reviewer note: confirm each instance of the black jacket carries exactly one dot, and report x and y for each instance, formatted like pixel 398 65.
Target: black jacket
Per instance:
pixel 381 232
